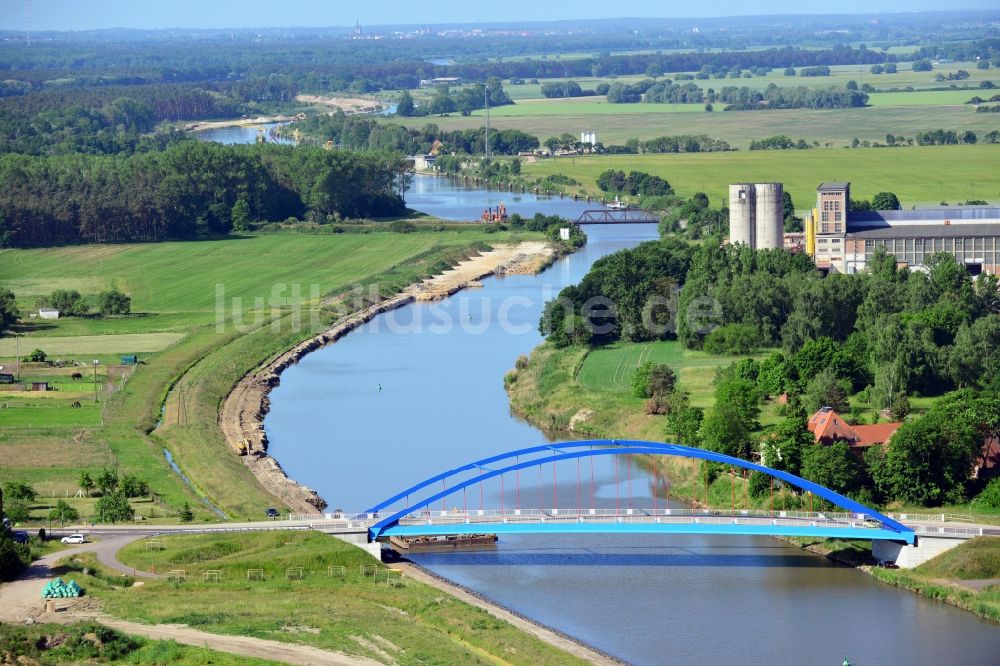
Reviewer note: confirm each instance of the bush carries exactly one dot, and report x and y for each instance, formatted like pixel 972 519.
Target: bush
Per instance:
pixel 113 302
pixel 732 339
pixel 69 302
pixel 989 498
pixel 13 557
pixel 402 227
pixel 37 356
pixel 759 485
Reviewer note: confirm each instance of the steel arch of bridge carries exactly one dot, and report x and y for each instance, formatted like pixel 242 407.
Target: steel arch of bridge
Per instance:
pixel 499 465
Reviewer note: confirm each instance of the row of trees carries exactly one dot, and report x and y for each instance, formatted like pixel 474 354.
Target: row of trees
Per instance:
pixel 636 183
pixel 190 190
pixel 72 303
pixel 364 133
pixel 465 100
pixel 792 97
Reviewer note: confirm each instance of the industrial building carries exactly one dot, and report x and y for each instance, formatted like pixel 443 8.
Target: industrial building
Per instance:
pixel 844 241
pixel 756 215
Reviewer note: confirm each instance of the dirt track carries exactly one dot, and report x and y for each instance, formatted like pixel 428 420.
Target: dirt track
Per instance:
pixel 21 600
pixel 242 417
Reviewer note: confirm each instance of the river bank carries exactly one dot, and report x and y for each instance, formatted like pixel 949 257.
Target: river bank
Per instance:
pixel 244 409
pixel 552 636
pixel 203 125
pixel 575 409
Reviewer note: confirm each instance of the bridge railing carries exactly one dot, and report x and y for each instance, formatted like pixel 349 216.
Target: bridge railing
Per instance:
pixel 440 519
pixel 960 532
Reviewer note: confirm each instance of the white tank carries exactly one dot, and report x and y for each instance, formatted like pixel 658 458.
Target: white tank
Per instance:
pixel 769 217
pixel 741 214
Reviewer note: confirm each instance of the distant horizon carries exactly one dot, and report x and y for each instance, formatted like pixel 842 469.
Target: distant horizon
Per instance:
pixel 69 15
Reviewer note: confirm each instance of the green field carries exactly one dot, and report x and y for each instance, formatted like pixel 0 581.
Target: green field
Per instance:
pixel 93 344
pixel 838 126
pixel 583 106
pixel 357 614
pixel 174 287
pixel 925 97
pixel 609 369
pixel 899 113
pixel 918 175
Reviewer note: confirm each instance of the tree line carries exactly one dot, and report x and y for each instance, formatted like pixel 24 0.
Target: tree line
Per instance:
pixel 366 133
pixel 190 190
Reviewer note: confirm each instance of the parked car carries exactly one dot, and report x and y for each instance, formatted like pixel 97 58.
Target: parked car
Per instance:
pixel 74 538
pixel 20 537
pixel 271 512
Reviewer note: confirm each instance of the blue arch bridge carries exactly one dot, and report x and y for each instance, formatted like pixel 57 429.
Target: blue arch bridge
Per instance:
pixel 423 509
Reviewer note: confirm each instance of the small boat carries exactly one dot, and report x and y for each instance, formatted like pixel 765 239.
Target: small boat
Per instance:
pixel 618 204
pixel 447 542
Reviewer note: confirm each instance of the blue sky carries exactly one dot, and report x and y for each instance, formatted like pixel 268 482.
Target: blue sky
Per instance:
pixel 87 14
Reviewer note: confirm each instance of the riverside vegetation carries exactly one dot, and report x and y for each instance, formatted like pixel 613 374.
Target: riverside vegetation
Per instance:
pixel 360 610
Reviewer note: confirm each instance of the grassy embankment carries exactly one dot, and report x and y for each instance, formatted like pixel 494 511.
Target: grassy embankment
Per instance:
pixel 91 643
pixel 967 576
pixel 558 384
pixel 46 441
pixel 918 175
pixel 904 113
pixel 378 616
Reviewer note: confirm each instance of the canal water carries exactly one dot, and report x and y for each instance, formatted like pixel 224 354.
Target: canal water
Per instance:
pixel 419 390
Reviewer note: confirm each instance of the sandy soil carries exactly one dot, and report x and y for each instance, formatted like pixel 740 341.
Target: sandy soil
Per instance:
pixel 242 417
pixel 348 105
pixel 236 122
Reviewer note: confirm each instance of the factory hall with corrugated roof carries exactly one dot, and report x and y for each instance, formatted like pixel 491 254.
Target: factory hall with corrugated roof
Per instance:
pixel 844 241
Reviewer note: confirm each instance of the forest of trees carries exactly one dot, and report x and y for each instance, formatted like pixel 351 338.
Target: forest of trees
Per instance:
pixel 189 190
pixel 884 336
pixel 793 97
pixel 366 133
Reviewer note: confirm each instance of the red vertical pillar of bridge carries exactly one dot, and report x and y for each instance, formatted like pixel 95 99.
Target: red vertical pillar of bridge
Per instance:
pixel 617 493
pixel 555 499
pixel 810 501
pixel 772 494
pixel 539 487
pixel 732 490
pixel 591 482
pixel 706 483
pixel 746 491
pixel 656 485
pixel 517 483
pixel 628 472
pixel 579 503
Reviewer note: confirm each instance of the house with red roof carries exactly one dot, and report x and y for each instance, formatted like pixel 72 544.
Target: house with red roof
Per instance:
pixel 828 427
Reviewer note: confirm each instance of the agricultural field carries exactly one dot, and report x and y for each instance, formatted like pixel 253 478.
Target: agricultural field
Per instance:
pixel 358 610
pixel 609 369
pixel 836 126
pixel 931 105
pixel 919 175
pixel 46 438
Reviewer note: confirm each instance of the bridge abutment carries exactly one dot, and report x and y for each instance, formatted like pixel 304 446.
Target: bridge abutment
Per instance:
pixel 906 556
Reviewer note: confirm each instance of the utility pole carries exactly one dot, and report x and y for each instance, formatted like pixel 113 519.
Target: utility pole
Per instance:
pixel 96 363
pixel 486 99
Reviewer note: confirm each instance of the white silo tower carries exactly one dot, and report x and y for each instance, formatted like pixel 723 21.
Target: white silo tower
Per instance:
pixel 769 217
pixel 741 214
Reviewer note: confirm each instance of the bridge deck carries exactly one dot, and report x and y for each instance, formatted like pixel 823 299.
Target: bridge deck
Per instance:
pixel 667 521
pixel 734 529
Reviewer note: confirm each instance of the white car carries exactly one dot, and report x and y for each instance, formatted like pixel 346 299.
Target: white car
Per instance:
pixel 74 538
